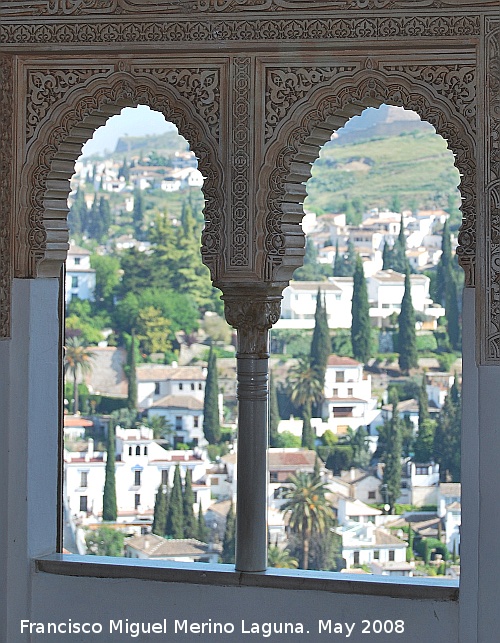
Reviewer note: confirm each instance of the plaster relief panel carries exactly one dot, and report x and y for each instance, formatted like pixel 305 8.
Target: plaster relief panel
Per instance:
pixel 6 191
pixel 305 104
pixel 64 106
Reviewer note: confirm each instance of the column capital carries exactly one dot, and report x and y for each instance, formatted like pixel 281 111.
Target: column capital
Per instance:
pixel 252 312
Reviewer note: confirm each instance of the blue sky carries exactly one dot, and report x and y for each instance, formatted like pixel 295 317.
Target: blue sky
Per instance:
pixel 138 121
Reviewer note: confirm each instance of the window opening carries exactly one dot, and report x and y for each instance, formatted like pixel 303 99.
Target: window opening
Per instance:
pixel 353 369
pixel 141 314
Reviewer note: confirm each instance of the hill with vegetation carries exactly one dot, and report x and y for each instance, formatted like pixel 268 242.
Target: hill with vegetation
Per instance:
pixel 364 169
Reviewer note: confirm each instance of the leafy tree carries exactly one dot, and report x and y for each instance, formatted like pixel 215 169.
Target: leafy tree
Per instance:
pixel 274 414
pixel 321 345
pixel 344 264
pixel 107 278
pixel 77 360
pixel 211 423
pixel 307 388
pixel 229 542
pixel 202 533
pixel 361 328
pixel 190 526
pixel 280 558
pixel 392 457
pixel 104 541
pixel 424 444
pixel 132 374
pixel 160 511
pixel 287 440
pixel 109 511
pixel 307 508
pixel 447 438
pixel 407 336
pixel 325 549
pixel 175 515
pixel 153 331
pixel 358 441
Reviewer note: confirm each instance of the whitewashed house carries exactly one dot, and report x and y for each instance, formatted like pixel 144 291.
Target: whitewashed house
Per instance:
pixel 142 464
pixel 155 381
pixel 183 415
pixel 80 277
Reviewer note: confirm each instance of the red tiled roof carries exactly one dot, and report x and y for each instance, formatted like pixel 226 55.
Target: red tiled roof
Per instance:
pixel 336 360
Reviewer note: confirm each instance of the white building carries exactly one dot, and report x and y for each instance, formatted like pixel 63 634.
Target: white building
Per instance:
pixel 385 293
pixel 348 396
pixel 80 277
pixel 142 464
pixel 155 381
pixel 184 415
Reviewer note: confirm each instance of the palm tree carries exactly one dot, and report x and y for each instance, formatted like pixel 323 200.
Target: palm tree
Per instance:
pixel 307 508
pixel 277 557
pixel 306 389
pixel 77 360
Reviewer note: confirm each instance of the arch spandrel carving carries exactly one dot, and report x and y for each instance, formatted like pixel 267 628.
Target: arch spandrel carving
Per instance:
pixel 78 101
pixel 295 143
pixel 6 191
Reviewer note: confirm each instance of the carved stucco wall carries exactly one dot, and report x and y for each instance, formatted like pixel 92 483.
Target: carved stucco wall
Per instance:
pixel 276 83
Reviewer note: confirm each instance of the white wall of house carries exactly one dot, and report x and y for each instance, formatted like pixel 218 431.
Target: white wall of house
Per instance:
pixel 186 424
pixel 80 277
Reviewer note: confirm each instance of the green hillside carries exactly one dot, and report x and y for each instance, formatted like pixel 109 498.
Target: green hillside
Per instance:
pixel 163 144
pixel 413 170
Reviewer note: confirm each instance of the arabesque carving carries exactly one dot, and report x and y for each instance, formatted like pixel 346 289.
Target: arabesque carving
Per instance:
pixel 289 163
pixel 492 201
pixel 6 190
pixel 45 236
pixel 252 316
pixel 107 7
pixel 251 29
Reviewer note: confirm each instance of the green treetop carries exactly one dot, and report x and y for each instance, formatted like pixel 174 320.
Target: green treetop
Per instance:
pixel 392 458
pixel 160 511
pixel 175 516
pixel 447 438
pixel 321 345
pixel 109 511
pixel 306 389
pixel 202 533
pixel 360 328
pixel 190 526
pixel 423 402
pixel 211 424
pixel 274 413
pixel 132 374
pixel 229 542
pixel 407 339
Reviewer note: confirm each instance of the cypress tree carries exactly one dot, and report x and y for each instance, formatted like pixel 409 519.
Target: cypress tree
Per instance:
pixel 132 374
pixel 361 328
pixel 202 533
pixel 190 526
pixel 337 262
pixel 274 414
pixel 392 468
pixel 321 346
pixel 211 425
pixel 407 338
pixel 399 261
pixel 423 402
pixel 447 438
pixel 386 256
pixel 160 511
pixel 109 511
pixel 452 313
pixel 424 444
pixel 175 515
pixel 138 213
pixel 228 544
pixel 78 213
pixel 444 269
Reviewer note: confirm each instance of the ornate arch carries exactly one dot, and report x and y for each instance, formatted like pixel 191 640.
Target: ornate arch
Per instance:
pixel 442 95
pixel 64 107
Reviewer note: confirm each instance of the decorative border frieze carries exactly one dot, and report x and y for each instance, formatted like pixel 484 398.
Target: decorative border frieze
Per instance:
pixel 6 191
pixel 290 154
pixel 489 297
pixel 251 29
pixel 241 241
pixel 64 8
pixel 69 119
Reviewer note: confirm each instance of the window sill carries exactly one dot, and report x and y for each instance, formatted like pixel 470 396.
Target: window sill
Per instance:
pixel 225 575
